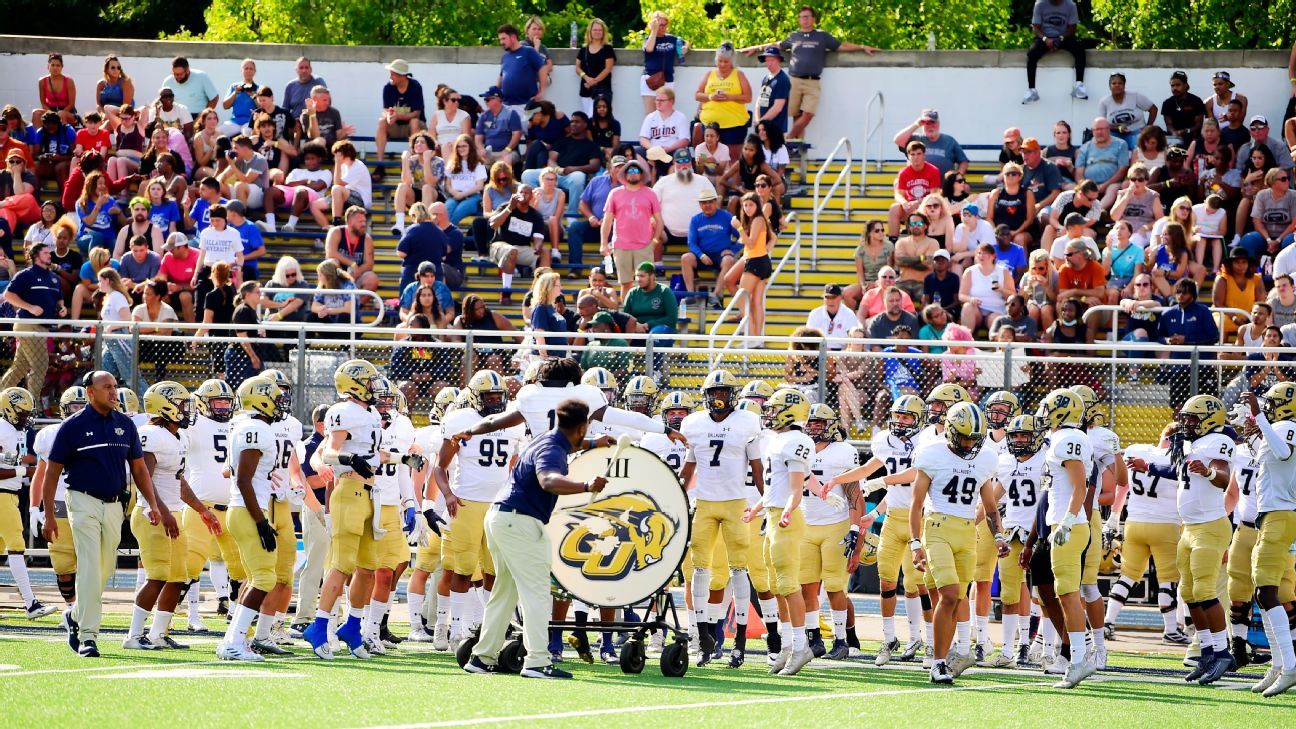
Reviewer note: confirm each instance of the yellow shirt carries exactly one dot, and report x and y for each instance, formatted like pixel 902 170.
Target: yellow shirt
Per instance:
pixel 725 113
pixel 757 247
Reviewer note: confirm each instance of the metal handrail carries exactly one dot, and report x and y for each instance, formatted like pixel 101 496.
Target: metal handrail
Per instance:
pixel 822 202
pixel 1103 308
pixel 793 250
pixel 871 129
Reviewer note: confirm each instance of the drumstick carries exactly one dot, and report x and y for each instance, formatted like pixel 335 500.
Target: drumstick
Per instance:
pixel 623 442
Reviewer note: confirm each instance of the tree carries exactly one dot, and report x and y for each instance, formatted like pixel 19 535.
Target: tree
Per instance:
pixel 1191 24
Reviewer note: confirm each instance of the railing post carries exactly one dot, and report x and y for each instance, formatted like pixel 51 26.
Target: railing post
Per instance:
pixel 469 354
pixel 299 402
pixel 98 347
pixel 823 370
pixel 1007 367
pixel 648 357
pixel 136 378
pixel 1195 380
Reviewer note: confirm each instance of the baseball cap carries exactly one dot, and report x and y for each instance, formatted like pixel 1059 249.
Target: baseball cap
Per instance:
pixel 1225 77
pixel 646 267
pixel 708 193
pixel 930 114
pixel 1176 151
pixel 399 66
pixel 683 155
pixel 972 210
pixel 1012 133
pixel 632 163
pixel 658 154
pixel 1030 144
pixel 941 253
pixel 618 160
pixel 1179 75
pixel 236 206
pixel 1258 119
pixel 771 52
pixel 832 289
pixel 603 318
pixel 426 267
pixel 492 92
pixel 15 154
pixel 1073 219
pixel 165 91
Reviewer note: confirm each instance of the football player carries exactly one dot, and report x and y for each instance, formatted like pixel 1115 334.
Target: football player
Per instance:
pixel 427 560
pixel 1152 529
pixel 955 473
pixel 787 474
pixel 1021 468
pixel 165 446
pixel 892 451
pixel 351 448
pixel 766 603
pixel 1000 408
pixel 61 552
pixel 1241 588
pixel 1107 476
pixel 256 454
pixel 722 447
pixel 758 391
pixel 1277 523
pixel 607 383
pixel 482 473
pixel 830 547
pixel 16 408
pixel 939 401
pixel 206 463
pixel 1068 462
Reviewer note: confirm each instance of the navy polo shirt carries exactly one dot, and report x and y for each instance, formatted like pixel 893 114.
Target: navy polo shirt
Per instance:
pixel 525 496
pixel 38 286
pixel 308 450
pixel 94 450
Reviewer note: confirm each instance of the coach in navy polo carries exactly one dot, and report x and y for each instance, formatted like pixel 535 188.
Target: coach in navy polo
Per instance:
pixel 95 447
pixel 36 294
pixel 519 544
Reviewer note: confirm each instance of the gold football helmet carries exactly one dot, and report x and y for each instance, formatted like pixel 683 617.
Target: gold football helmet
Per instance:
pixel 603 380
pixel 1280 402
pixel 906 416
pixel 355 378
pixel 487 393
pixel 758 390
pixel 1094 412
pixel 284 384
pixel 1001 407
pixel 445 398
pixel 719 390
pixel 1061 408
pixel 384 395
pixel 260 395
pixel 169 401
pixel 1202 414
pixel 750 405
pixel 74 400
pixel 942 398
pixel 786 408
pixel 214 399
pixel 17 407
pixel 127 401
pixel 675 407
pixel 965 429
pixel 869 545
pixel 829 431
pixel 641 394
pixel 1024 435
pixel 532 373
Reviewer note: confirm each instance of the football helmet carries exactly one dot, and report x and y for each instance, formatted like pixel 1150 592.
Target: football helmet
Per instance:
pixel 445 397
pixel 1061 408
pixel 487 393
pixel 1094 412
pixel 1280 402
pixel 170 401
pixel 16 407
pixel 786 408
pixel 870 543
pixel 532 372
pixel 750 405
pixel 945 396
pixel 965 429
pixel 74 400
pixel 355 378
pixel 384 395
pixel 402 404
pixel 214 399
pixel 910 411
pixel 719 390
pixel 127 401
pixel 284 384
pixel 758 390
pixel 603 380
pixel 1024 424
pixel 260 395
pixel 829 431
pixel 675 407
pixel 1202 414
pixel 641 394
pixel 1001 407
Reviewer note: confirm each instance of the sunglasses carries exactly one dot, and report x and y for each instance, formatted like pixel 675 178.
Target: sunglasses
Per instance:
pixel 1138 179
pixel 1284 178
pixel 961 180
pixel 932 206
pixel 888 276
pixel 1039 268
pixel 1142 284
pixel 916 224
pixel 455 99
pixel 290 274
pixel 1012 174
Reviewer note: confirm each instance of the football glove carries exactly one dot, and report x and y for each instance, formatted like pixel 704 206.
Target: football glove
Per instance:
pixel 1110 530
pixel 434 520
pixel 835 501
pixel 408 518
pixel 357 464
pixel 874 484
pixel 1062 533
pixel 267 535
pixel 414 461
pixel 36 519
pixel 851 541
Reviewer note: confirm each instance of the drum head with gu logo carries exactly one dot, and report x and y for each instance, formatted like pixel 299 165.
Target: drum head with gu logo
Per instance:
pixel 627 543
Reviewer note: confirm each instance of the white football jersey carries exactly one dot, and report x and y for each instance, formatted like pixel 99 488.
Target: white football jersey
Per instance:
pixel 41 445
pixel 1246 468
pixel 539 404
pixel 929 434
pixel 13 448
pixel 169 451
pixel 897 454
pixel 1022 488
pixel 723 452
pixel 750 489
pixel 429 439
pixel 397 438
pixel 666 449
pixel 254 434
pixel 140 420
pixel 207 459
pixel 1151 499
pixel 1062 445
pixel 997 447
pixel 1199 500
pixel 790 452
pixel 834 459
pixel 955 481
pixel 1106 449
pixel 483 473
pixel 1278 476
pixel 363 427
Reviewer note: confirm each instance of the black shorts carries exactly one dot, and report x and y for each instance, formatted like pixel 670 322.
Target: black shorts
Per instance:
pixel 1041 565
pixel 759 267
pixel 733 135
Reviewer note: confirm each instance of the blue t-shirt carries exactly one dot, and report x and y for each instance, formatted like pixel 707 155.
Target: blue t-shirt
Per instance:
pixel 89 274
pixel 520 74
pixel 545 318
pixel 164 215
pixel 201 213
pixel 496 132
pixel 525 496
pixel 596 194
pixel 62 141
pixel 244 105
pixel 454 246
pixel 410 100
pixel 662 57
pixel 1014 257
pixel 103 222
pixel 421 242
pixel 252 240
pixel 945 152
pixel 94 450
pixel 774 88
pixel 309 449
pixel 439 289
pixel 39 287
pixel 1100 163
pixel 550 133
pixel 712 234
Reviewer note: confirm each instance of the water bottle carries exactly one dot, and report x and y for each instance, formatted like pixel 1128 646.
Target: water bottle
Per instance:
pixel 679 48
pixel 608 268
pixel 573 35
pixel 936 299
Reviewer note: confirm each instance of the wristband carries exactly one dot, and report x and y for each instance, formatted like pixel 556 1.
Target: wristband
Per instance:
pixel 915 544
pixel 1211 474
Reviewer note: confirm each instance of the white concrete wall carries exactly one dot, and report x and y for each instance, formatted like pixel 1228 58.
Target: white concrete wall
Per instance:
pixel 977 92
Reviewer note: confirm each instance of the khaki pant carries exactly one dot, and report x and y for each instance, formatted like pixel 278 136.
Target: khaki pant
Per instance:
pixel 520 547
pixel 316 538
pixel 96 532
pixel 31 359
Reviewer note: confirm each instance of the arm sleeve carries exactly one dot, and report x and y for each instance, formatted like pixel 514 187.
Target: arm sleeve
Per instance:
pixel 627 419
pixel 1276 442
pixel 694 247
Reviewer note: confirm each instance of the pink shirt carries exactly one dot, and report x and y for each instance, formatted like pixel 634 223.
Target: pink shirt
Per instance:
pixel 634 209
pixel 178 271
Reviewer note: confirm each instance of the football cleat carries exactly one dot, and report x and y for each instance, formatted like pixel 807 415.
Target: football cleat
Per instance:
pixel 773 642
pixel 1177 638
pixel 374 647
pixel 556 657
pixel 419 635
pixel 196 624
pixel 780 660
pixel 1100 658
pixel 267 647
pixel 1056 665
pixel 37 610
pixel 580 643
pixel 817 646
pixel 236 652
pixel 280 636
pixel 317 635
pixel 940 673
pixel 296 629
pixel 1285 680
pixel 168 642
pixel 1222 664
pixel 390 639
pixel 1109 631
pixel 736 657
pixel 73 631
pixel 139 643
pixel 1035 653
pixel 550 671
pixel 978 654
pixel 840 650
pixel 961 662
pixel 349 633
pixel 706 642
pixel 929 657
pixel 222 607
pixel 1270 676
pixel 910 650
pixel 657 643
pixel 89 649
pixel 884 653
pixel 1241 652
pixel 1003 659
pixel 476 665
pixel 608 655
pixel 441 637
pixel 1076 673
pixel 797 661
pixel 1023 656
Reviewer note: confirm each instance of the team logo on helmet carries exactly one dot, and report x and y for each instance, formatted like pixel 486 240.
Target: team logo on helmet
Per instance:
pixel 618 535
pixel 1202 414
pixel 719 390
pixel 16 407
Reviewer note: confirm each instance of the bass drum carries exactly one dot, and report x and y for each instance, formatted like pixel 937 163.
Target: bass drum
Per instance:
pixel 625 544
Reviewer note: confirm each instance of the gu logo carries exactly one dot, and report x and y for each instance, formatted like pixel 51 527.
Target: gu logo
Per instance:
pixel 616 536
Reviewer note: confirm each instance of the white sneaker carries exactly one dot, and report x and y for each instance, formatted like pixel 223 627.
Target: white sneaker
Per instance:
pixel 279 636
pixel 960 662
pixel 375 647
pixel 1036 651
pixel 929 658
pixel 265 226
pixel 884 653
pixel 657 643
pixel 38 610
pixel 289 228
pixel 1100 658
pixel 1285 680
pixel 139 643
pixel 1076 673
pixel 1270 676
pixel 797 661
pixel 1078 91
pixel 196 624
pixel 419 635
pixel 1003 659
pixel 237 652
pixel 1056 666
pixel 441 638
pixel 1030 97
pixel 781 659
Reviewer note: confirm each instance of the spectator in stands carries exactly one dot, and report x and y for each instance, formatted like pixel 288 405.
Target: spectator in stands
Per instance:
pixel 1141 315
pixel 93 136
pixel 452 268
pixel 913 254
pixel 247 177
pixel 873 252
pixel 1039 287
pixel 1238 286
pixel 712 241
pixel 1183 112
pixel 1054 24
pixel 852 371
pixel 873 300
pixel 983 289
pixel 57 93
pixel 402 99
pixel 591 206
pixel 941 216
pixel 960 368
pixel 42 231
pixel 499 130
pixel 776 88
pixel 1188 324
pixel 114 91
pixel 1083 277
pixel 12 144
pixel 139 266
pixel 831 318
pixel 218 310
pixel 577 157
pixel 551 202
pixel 199 216
pixel 486 326
pixel 665 127
pixel 1216 106
pixel 35 293
pixel 285 121
pixel 1124 111
pixel 303 187
pixel 1103 159
pixel 679 194
pixel 352 186
pixel 753 226
pixel 334 308
pixel 118 352
pixel 423 242
pixel 499 189
pixel 956 190
pixel 1168 261
pixel 1251 332
pixel 603 348
pixel 163 165
pixel 632 224
pixel 299 89
pixel 603 295
pixel 936 320
pixel 193 89
pixel 155 311
pixel 18 204
pixel 177 270
pixel 1069 329
pixel 449 121
pixel 712 156
pixel 1121 258
pixel 52 147
pixel 1139 205
pixel 99 213
pixel 1012 204
pixel 250 239
pixel 519 237
pixel 410 302
pixel 169 114
pixel 545 127
pixel 285 294
pixel 1040 176
pixel 520 77
pixel 351 248
pixel 883 325
pixel 547 327
pixel 240 99
pixel 1212 221
pixel 1258 126
pixel 911 185
pixel 1273 216
pixel 421 172
pixel 604 127
pixel 941 286
pixel 217 242
pixel 723 95
pixel 465 178
pixel 321 122
pixel 594 63
pixel 801 368
pixel 1017 319
pixel 940 150
pixel 661 51
pixel 1268 367
pixel 243 358
pixel 1174 180
pixel 280 154
pixel 743 175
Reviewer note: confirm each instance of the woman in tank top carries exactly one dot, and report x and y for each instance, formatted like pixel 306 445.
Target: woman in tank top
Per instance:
pixel 984 289
pixel 1012 204
pixel 114 91
pixel 1139 205
pixel 723 95
pixel 550 200
pixel 449 121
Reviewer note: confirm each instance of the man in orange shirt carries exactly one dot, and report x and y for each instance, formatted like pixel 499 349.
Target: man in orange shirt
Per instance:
pixel 1084 278
pixel 8 142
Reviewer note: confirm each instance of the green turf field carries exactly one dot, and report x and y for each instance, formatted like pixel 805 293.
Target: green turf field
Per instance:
pixel 43 684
